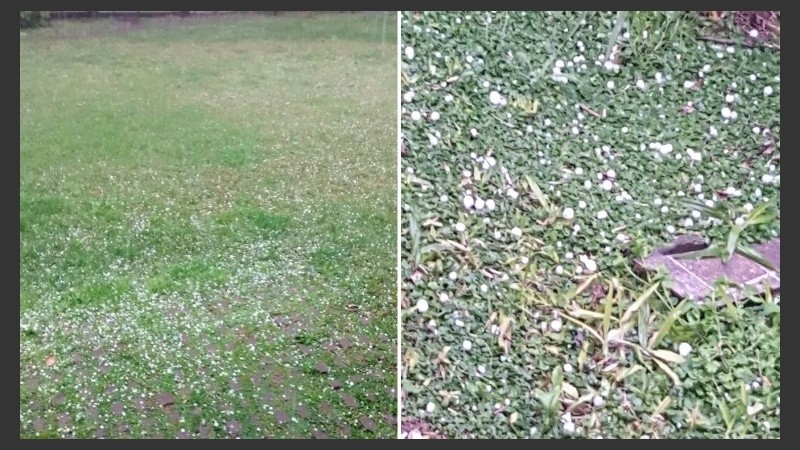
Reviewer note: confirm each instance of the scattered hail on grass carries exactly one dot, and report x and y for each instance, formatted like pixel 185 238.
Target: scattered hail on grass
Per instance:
pixel 533 338
pixel 188 271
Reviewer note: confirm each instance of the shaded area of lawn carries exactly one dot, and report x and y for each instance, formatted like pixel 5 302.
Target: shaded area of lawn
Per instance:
pixel 201 207
pixel 545 152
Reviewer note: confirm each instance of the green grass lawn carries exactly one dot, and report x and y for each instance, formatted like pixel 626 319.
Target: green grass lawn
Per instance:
pixel 545 152
pixel 207 228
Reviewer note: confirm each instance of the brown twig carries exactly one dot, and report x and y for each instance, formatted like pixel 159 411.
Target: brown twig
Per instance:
pixel 590 111
pixel 732 42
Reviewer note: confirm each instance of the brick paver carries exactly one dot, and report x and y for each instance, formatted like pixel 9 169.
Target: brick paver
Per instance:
pixel 695 278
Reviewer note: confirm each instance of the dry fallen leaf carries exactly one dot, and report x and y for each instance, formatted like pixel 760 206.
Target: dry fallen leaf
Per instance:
pixel 50 360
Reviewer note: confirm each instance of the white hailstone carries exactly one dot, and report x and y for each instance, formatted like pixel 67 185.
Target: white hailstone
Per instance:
pixel 707 68
pixel 659 77
pixel 730 49
pixel 568 213
pixel 590 265
pixel 556 325
pixel 713 131
pixel 753 33
pixel 490 205
pixel 657 201
pixel 720 55
pixel 422 305
pixel 567 367
pixel 408 96
pixel 664 209
pixel 435 116
pixel 466 173
pixel 734 115
pixel 768 91
pixel 739 220
pixel 684 349
pixel 730 98
pixel 512 194
pixel 598 401
pixel 459 323
pixel 767 178
pixel 611 173
pixel 569 428
pixel 498 234
pixel 453 276
pixel 491 161
pixel 448 98
pixel 547 122
pixel 578 171
pixel 559 270
pixel 688 223
pixel 625 129
pixel 443 198
pixel 755 385
pixel 688 84
pixel 607 185
pixel 748 207
pixel 460 227
pixel 622 238
pixel 473 132
pixel 516 232
pixel 416 115
pixel 587 184
pixel 756 130
pixel 670 229
pixel 560 64
pixel 444 298
pixel 610 84
pixel 485 84
pixel 479 203
pixel 733 85
pixel 409 52
pixel 569 255
pixel 466 345
pixel 602 214
pixel 481 369
pixel 665 149
pixel 484 288
pixel 469 202
pixel 470 59
pixel 693 155
pixel 529 129
pixel 640 84
pixel 431 407
pixel 433 140
pixel 575 130
pixel 726 112
pixel 696 214
pixel 495 98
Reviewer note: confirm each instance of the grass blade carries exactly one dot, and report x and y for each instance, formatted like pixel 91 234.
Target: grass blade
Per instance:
pixel 609 301
pixel 588 329
pixel 537 192
pixel 668 356
pixel 674 315
pixel 733 241
pixel 754 255
pixel 670 373
pixel 415 237
pixel 638 303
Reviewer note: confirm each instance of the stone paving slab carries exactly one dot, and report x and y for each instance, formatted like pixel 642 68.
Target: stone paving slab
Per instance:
pixel 695 278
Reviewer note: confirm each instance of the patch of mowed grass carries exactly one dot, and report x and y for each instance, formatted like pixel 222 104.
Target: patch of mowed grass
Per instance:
pixel 175 185
pixel 546 151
